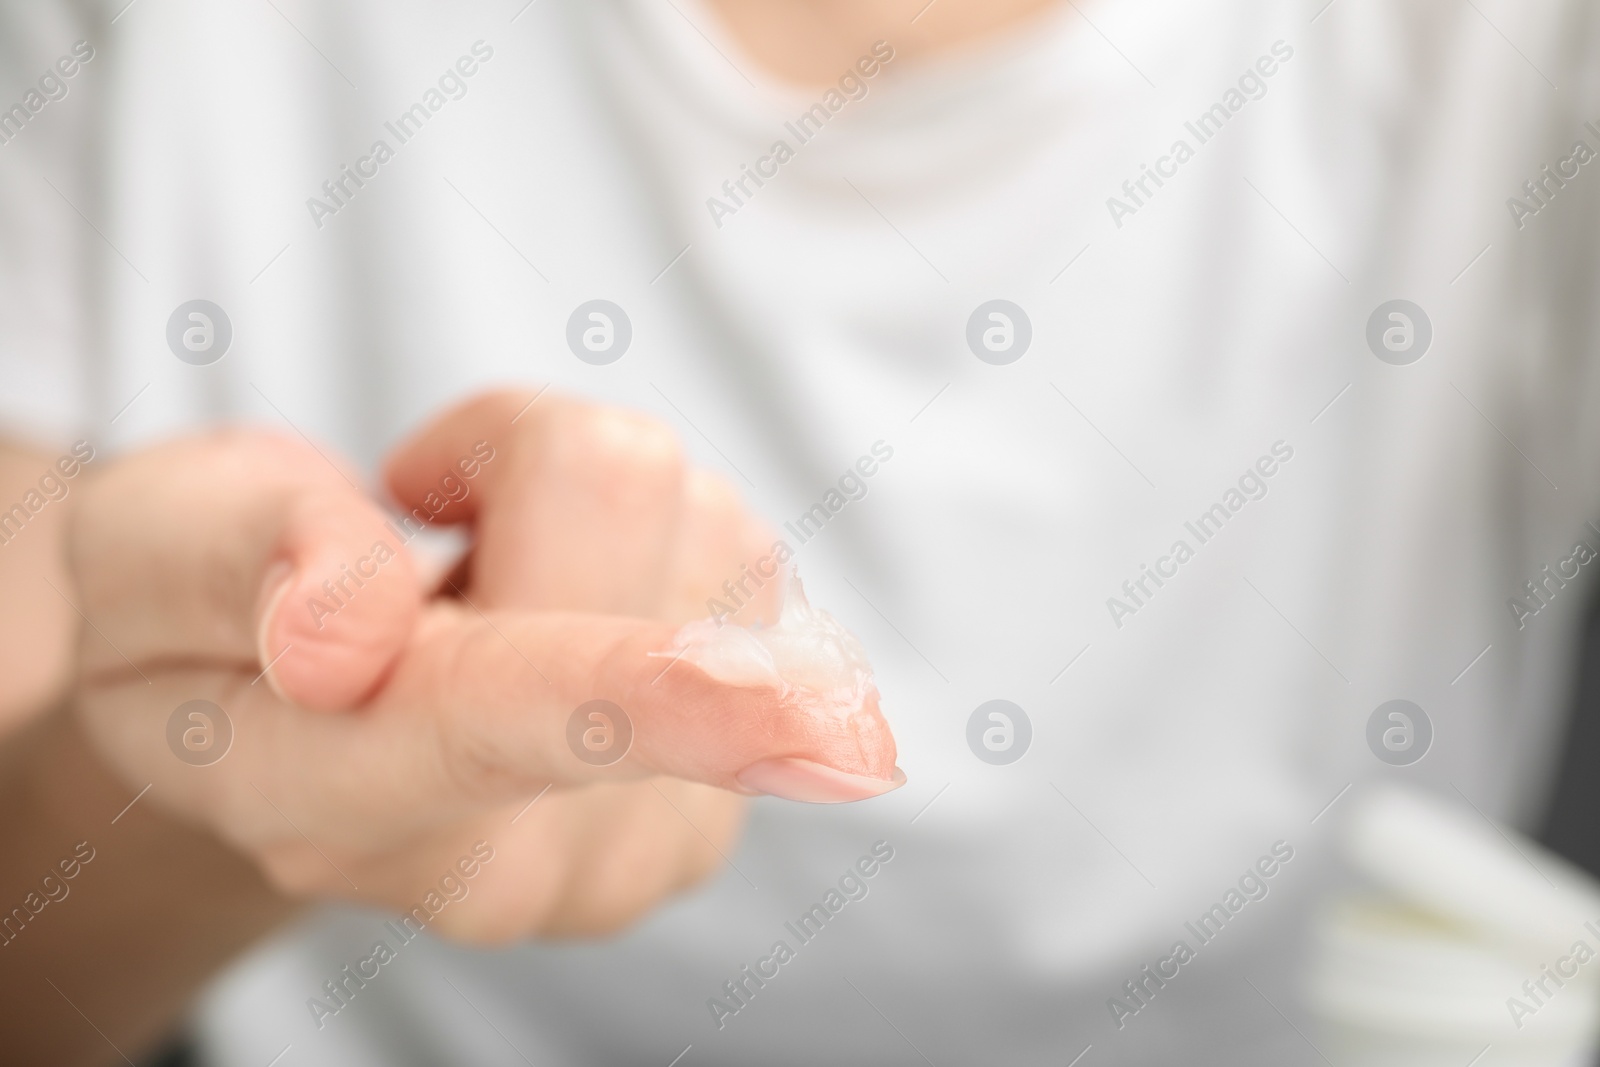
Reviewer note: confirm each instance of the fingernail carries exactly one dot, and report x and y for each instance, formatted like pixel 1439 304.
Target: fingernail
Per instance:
pixel 276 582
pixel 810 782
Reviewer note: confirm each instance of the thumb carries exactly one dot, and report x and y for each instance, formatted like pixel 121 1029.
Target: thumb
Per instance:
pixel 243 547
pixel 338 600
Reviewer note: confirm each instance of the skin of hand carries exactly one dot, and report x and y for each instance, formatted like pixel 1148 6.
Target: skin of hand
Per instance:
pixel 37 636
pixel 812 42
pixel 107 959
pixel 392 734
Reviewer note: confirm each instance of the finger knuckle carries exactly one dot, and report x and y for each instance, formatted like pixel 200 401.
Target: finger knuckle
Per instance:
pixel 713 496
pixel 469 760
pixel 624 444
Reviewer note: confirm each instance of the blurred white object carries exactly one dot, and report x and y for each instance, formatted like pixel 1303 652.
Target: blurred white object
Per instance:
pixel 1472 939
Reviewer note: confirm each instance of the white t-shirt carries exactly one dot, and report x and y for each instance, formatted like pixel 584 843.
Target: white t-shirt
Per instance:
pixel 1199 373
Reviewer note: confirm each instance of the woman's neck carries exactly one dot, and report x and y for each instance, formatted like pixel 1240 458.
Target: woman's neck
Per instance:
pixel 809 42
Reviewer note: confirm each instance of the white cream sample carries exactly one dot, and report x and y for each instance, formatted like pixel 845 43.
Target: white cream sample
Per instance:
pixel 808 654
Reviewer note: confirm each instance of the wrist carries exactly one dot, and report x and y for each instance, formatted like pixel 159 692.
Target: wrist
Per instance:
pixel 126 911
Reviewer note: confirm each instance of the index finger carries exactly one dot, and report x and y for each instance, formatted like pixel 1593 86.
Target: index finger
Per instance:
pixel 573 698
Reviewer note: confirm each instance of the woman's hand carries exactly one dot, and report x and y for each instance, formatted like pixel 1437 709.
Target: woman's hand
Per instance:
pixel 380 732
